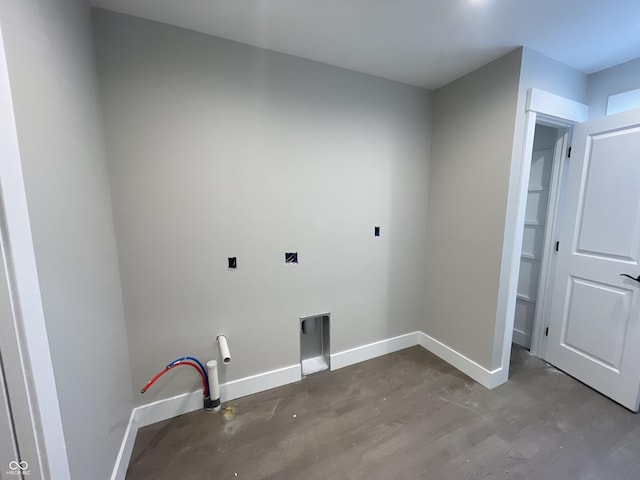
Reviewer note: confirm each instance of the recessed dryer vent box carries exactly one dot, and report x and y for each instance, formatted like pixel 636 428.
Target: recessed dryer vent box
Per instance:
pixel 314 344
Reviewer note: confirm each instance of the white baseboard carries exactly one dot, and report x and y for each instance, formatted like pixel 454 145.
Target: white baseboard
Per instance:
pixel 168 408
pixel 521 338
pixel 260 382
pixel 373 350
pixel 124 455
pixel 488 378
pixel 189 402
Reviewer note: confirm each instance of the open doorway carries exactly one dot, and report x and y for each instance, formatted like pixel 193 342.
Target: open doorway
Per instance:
pixel 561 114
pixel 543 206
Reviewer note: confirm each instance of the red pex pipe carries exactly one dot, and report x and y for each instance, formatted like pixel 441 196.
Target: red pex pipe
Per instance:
pixel 205 387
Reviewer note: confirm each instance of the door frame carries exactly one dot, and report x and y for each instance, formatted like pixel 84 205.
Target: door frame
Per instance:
pixel 26 353
pixel 8 443
pixel 554 111
pixel 547 263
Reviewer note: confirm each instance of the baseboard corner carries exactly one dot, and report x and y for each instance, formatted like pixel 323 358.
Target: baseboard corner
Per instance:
pixel 488 378
pixel 126 449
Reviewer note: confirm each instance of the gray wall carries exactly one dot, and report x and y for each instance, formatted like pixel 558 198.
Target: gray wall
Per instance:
pixel 472 138
pixel 218 149
pixel 611 81
pixel 544 73
pixel 52 73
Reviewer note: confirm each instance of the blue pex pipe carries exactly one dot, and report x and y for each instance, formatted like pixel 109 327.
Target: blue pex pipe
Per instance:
pixel 204 370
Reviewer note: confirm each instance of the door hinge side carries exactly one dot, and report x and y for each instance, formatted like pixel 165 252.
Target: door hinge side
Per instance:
pixel 569 153
pixel 546 332
pixel 557 246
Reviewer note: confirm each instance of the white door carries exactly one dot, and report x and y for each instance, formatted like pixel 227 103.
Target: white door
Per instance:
pixel 594 329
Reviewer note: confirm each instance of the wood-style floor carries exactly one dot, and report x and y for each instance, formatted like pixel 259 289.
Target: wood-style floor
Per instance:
pixel 402 416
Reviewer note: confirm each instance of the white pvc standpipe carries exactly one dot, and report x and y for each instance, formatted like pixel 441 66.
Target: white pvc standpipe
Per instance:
pixel 224 349
pixel 214 386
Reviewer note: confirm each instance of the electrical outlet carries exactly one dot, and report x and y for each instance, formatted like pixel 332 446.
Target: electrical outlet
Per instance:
pixel 376 231
pixel 233 263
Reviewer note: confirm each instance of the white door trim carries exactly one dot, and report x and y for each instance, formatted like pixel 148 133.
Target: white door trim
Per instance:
pixel 8 444
pixel 559 110
pixel 554 111
pixel 31 341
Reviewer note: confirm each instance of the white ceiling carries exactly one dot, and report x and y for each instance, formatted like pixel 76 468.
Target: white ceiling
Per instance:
pixel 420 42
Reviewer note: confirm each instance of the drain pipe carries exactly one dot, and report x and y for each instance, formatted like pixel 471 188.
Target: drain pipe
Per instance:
pixel 214 386
pixel 212 369
pixel 224 349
